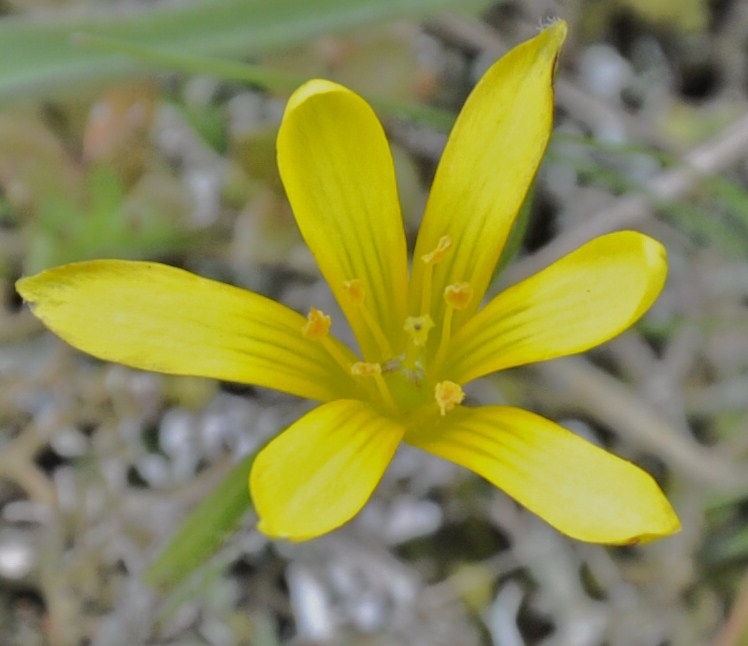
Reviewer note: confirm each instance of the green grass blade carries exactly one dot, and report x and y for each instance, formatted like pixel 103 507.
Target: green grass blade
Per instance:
pixel 259 75
pixel 204 529
pixel 40 55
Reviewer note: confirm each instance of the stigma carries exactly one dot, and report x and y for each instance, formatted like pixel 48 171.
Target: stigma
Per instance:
pixel 418 328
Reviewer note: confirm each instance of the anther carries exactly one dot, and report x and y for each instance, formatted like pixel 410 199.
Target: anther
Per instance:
pixel 418 328
pixel 355 290
pixel 317 325
pixel 365 369
pixel 437 255
pixel 448 394
pixel 458 295
pixel 317 328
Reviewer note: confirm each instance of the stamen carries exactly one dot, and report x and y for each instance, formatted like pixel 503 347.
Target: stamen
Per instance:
pixel 418 328
pixel 448 394
pixel 430 259
pixel 317 324
pixel 366 369
pixel 357 293
pixel 458 297
pixel 317 328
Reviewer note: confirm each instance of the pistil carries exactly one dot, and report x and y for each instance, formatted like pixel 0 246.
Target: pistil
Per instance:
pixel 417 328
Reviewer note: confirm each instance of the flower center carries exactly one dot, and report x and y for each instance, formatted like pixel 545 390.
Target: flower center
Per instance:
pixel 374 370
pixel 405 381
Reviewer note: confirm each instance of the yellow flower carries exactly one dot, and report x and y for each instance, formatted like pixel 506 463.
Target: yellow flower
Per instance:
pixel 421 338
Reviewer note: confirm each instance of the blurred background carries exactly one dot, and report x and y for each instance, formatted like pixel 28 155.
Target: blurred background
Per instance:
pixel 146 130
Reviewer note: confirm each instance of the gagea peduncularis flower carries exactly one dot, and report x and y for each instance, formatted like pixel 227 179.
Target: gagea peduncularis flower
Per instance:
pixel 421 336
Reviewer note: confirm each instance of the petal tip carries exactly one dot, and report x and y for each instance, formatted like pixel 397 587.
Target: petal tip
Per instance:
pixel 660 523
pixel 656 517
pixel 557 30
pixel 311 89
pixel 656 262
pixel 24 286
pixel 37 289
pixel 551 38
pixel 666 525
pixel 655 252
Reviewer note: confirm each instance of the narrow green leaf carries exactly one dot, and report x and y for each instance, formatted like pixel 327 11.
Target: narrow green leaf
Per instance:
pixel 40 55
pixel 259 75
pixel 225 69
pixel 204 529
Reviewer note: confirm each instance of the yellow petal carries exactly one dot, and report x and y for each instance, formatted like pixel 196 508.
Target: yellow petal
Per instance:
pixel 486 170
pixel 154 317
pixel 338 173
pixel 576 303
pixel 319 472
pixel 580 489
